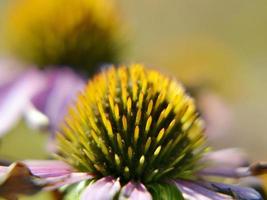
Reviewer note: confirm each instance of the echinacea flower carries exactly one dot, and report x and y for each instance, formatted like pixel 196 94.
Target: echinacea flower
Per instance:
pixel 81 34
pixel 133 134
pixel 40 96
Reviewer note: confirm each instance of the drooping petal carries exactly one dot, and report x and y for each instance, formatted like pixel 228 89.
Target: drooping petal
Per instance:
pixel 194 191
pixel 15 96
pixel 29 177
pixel 55 173
pixel 134 191
pixel 103 189
pixel 48 168
pixel 237 192
pixel 17 179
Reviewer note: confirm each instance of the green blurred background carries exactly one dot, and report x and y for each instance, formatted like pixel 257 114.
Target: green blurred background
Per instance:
pixel 222 43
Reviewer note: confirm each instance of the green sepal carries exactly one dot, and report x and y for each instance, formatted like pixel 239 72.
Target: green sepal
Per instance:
pixel 163 191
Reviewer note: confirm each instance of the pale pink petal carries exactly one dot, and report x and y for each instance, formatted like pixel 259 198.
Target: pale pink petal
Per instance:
pixel 29 177
pixel 216 112
pixel 62 85
pixel 17 179
pixel 15 97
pixel 194 191
pixel 227 157
pixel 103 189
pixel 237 192
pixel 134 191
pixel 48 168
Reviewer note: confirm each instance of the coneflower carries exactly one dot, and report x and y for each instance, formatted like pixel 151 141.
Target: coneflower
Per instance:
pixel 82 34
pixel 133 134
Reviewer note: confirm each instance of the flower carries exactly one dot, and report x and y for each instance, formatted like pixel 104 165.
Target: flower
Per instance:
pixel 81 33
pixel 41 96
pixel 133 134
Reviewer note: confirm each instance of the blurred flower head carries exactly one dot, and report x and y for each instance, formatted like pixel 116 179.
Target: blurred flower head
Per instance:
pixel 82 33
pixel 133 134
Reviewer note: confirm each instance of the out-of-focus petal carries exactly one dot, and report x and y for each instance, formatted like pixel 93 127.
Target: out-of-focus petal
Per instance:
pixel 235 172
pixel 103 189
pixel 36 119
pixel 230 172
pixel 227 157
pixel 216 113
pixel 15 96
pixel 194 191
pixel 17 179
pixel 237 192
pixel 61 86
pixel 134 191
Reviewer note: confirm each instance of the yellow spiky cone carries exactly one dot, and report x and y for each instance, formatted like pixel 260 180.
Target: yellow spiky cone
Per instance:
pixel 133 123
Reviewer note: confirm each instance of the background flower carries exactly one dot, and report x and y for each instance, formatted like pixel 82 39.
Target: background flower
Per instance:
pixel 82 34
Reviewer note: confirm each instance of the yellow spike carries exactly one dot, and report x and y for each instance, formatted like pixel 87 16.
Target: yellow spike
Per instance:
pixel 149 108
pixel 148 124
pixel 119 140
pixel 117 160
pixel 127 171
pixel 111 102
pixel 148 143
pixel 134 90
pixel 117 112
pixel 136 134
pixel 124 123
pixel 109 130
pixel 130 153
pixel 138 117
pixel 140 100
pixel 157 151
pixel 142 160
pixel 160 135
pixel 159 100
pixel 168 109
pixel 171 125
pixel 129 105
pixel 161 118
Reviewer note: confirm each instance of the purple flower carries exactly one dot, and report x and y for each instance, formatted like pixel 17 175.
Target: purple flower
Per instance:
pixel 41 97
pixel 134 134
pixel 29 177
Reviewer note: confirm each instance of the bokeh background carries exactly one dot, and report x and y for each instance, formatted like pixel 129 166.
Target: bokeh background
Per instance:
pixel 219 44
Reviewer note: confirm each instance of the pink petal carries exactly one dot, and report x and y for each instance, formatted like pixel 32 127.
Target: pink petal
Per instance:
pixel 15 97
pixel 103 189
pixel 194 191
pixel 227 157
pixel 48 168
pixel 29 177
pixel 216 112
pixel 62 85
pixel 17 179
pixel 135 191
